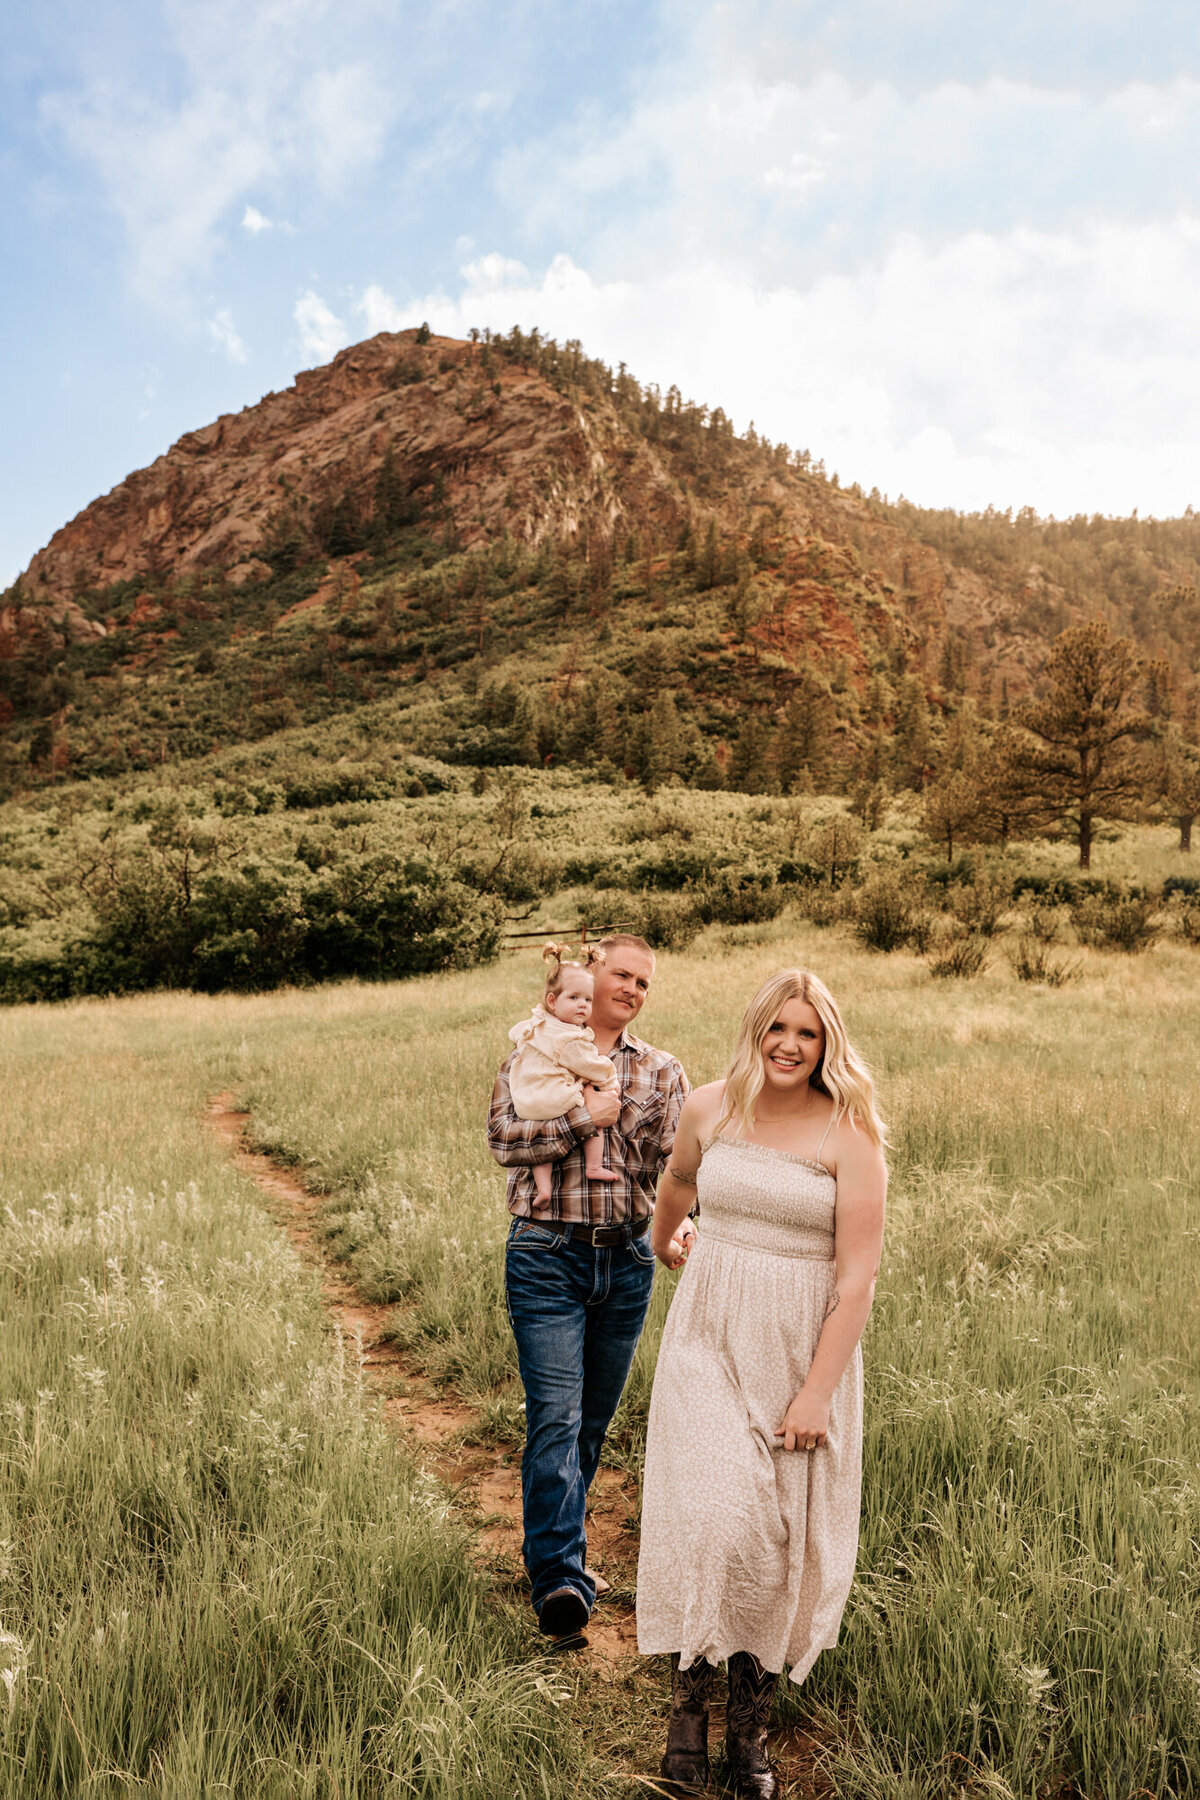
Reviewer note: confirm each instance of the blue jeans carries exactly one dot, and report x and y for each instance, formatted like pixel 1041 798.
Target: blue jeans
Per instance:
pixel 577 1314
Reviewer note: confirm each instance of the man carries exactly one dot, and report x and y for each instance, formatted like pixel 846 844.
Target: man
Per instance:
pixel 578 1275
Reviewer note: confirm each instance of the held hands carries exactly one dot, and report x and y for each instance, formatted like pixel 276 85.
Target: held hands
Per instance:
pixel 805 1423
pixel 604 1104
pixel 676 1252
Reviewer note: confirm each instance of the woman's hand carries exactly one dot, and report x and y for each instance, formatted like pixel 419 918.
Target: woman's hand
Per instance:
pixel 676 1252
pixel 805 1423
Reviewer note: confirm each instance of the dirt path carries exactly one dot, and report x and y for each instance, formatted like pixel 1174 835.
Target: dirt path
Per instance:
pixel 485 1477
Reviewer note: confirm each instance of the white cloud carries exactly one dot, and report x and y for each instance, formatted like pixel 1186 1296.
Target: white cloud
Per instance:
pixel 381 312
pixel 322 333
pixel 792 171
pixel 1060 370
pixel 224 334
pixel 345 112
pixel 802 171
pixel 492 271
pixel 261 98
pixel 182 110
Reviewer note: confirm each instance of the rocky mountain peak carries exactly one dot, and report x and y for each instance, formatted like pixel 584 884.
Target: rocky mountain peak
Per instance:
pixel 499 445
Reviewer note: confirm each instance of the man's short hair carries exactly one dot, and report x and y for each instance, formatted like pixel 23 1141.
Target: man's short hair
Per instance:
pixel 627 940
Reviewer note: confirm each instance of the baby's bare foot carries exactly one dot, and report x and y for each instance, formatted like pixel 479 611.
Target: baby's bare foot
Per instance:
pixel 600 1175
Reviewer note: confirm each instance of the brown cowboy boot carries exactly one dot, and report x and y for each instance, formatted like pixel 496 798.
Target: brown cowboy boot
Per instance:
pixel 685 1761
pixel 747 1716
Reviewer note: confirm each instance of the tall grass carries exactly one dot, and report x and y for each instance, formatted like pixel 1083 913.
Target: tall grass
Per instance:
pixel 218 1573
pixel 1027 1605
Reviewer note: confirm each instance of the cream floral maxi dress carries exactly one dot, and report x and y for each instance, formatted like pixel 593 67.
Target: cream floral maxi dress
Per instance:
pixel 746 1546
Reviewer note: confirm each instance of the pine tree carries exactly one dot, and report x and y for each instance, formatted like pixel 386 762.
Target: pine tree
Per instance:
pixel 345 533
pixel 743 608
pixel 394 508
pixel 651 672
pixel 834 845
pixel 708 564
pixel 914 735
pixel 949 806
pixel 663 742
pixel 749 770
pixel 1181 794
pixel 523 732
pixel 594 732
pixel 805 740
pixel 1076 756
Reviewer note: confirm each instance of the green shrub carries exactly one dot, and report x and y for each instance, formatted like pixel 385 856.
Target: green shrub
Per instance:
pixel 882 911
pixel 739 897
pixel 667 921
pixel 254 927
pixel 922 928
pixel 1116 921
pixel 980 904
pixel 47 961
pixel 958 955
pixel 824 906
pixel 1187 921
pixel 1043 920
pixel 1032 960
pixel 677 866
pixel 382 918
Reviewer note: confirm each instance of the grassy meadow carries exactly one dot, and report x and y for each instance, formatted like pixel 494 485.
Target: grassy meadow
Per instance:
pixel 218 1573
pixel 219 1576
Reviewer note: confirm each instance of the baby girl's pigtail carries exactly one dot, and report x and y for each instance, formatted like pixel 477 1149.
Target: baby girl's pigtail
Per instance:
pixel 556 954
pixel 592 956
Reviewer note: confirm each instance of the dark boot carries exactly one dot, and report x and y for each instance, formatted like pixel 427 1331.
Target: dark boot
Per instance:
pixel 685 1760
pixel 747 1716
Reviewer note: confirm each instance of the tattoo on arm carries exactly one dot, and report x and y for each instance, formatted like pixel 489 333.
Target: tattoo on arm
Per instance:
pixel 835 1300
pixel 678 1175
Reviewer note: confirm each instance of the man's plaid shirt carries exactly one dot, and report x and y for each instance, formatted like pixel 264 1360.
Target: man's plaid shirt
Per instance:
pixel 653 1088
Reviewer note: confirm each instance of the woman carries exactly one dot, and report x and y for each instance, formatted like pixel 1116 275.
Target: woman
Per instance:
pixel 753 1461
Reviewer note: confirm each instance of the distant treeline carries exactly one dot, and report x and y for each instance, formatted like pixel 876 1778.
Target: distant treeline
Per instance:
pixel 314 856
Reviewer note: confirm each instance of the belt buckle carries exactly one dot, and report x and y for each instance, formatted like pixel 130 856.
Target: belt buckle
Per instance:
pixel 604 1236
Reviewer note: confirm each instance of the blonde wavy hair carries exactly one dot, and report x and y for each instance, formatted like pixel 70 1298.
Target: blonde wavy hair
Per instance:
pixel 841 1073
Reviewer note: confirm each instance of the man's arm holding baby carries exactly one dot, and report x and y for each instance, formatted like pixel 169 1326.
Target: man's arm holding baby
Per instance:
pixel 520 1143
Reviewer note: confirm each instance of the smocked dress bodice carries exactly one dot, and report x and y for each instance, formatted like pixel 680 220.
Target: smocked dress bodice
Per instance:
pixel 765 1199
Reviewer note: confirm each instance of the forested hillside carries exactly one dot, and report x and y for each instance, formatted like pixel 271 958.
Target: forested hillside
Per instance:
pixel 228 687
pixel 532 559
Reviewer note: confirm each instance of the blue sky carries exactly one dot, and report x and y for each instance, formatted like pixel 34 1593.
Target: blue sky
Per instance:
pixel 954 250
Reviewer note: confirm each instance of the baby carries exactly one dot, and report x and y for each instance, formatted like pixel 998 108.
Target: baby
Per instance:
pixel 556 1056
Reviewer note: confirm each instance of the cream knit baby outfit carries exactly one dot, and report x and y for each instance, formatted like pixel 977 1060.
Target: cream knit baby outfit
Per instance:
pixel 553 1060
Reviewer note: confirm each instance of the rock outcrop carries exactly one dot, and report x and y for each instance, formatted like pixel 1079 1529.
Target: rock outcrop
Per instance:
pixel 504 449
pixel 487 445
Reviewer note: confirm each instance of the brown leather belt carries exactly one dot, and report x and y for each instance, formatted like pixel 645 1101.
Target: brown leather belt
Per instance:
pixel 600 1237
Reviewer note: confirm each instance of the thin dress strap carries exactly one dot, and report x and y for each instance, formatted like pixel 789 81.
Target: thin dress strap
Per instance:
pixel 828 1129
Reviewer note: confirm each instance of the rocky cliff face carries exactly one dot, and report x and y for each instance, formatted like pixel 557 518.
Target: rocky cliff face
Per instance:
pixel 504 448
pixel 487 445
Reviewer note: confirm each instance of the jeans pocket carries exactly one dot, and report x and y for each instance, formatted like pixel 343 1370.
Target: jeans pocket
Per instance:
pixel 639 1249
pixel 528 1233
